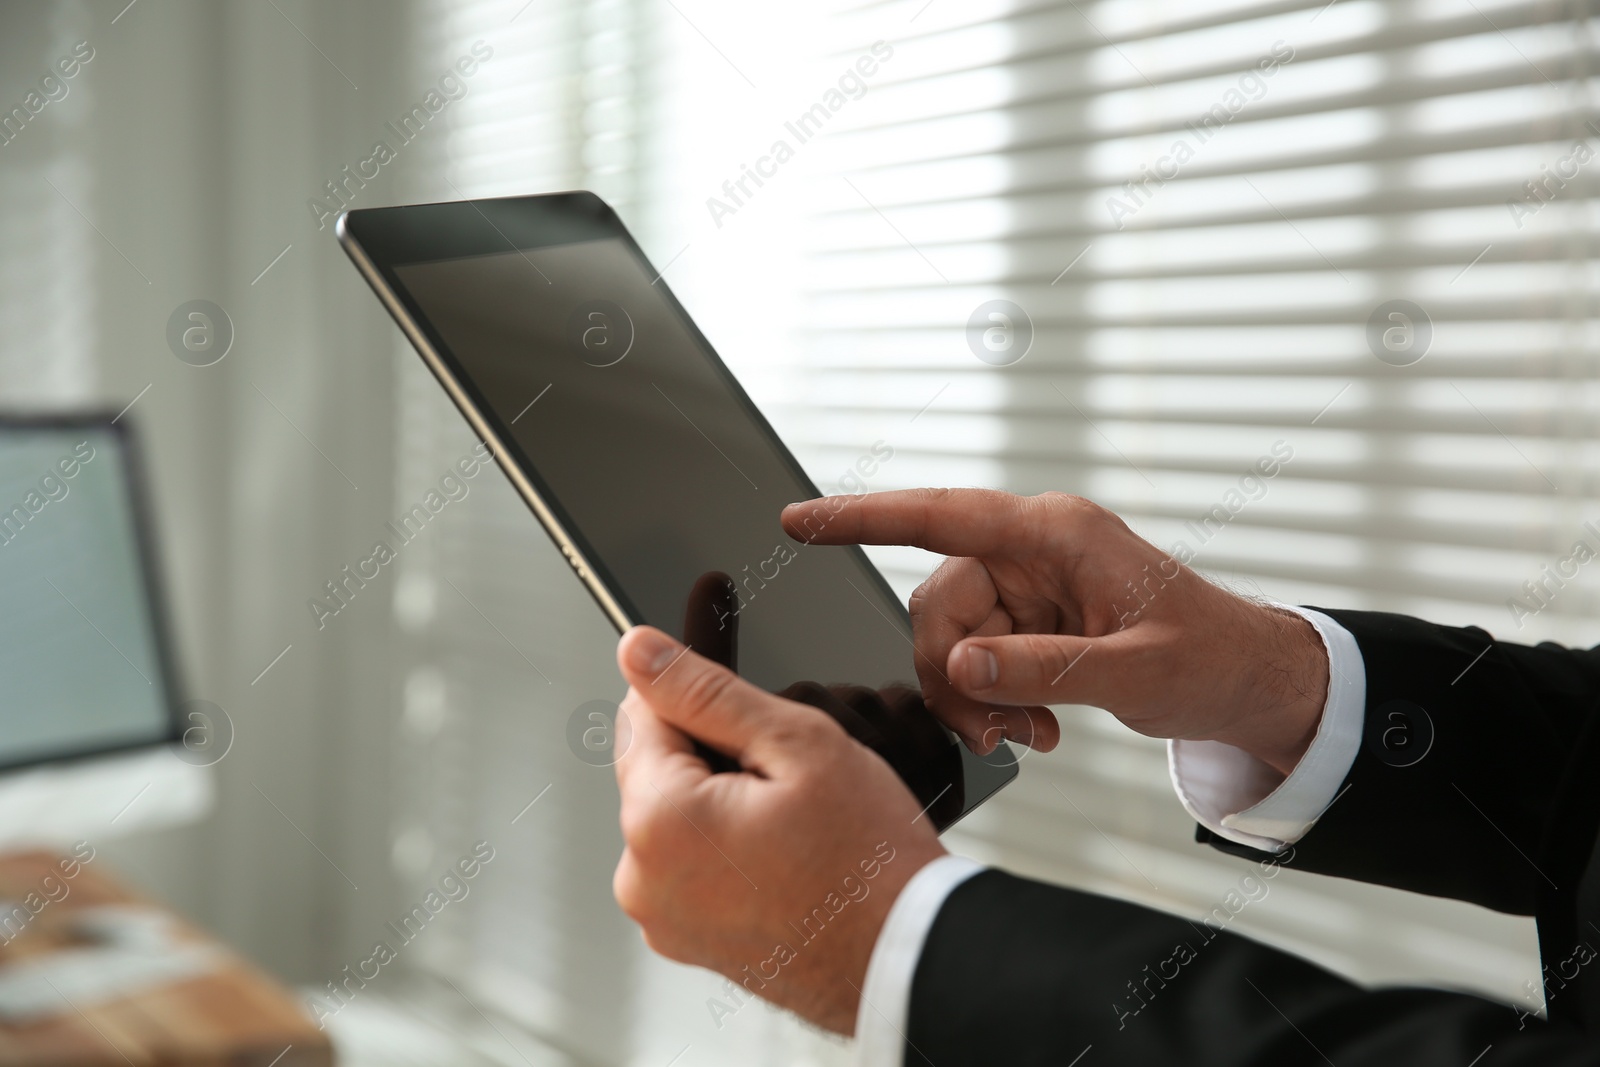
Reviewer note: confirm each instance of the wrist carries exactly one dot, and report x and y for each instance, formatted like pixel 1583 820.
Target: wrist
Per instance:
pixel 1285 690
pixel 831 998
pixel 883 900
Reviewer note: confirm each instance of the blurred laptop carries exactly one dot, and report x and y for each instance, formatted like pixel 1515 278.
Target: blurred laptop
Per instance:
pixel 90 722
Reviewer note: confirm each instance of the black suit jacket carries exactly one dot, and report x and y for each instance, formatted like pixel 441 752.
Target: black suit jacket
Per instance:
pixel 1477 779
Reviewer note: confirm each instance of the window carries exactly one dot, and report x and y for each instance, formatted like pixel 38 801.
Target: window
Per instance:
pixel 42 295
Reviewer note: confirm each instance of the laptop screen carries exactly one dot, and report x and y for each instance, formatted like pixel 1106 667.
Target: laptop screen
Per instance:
pixel 81 650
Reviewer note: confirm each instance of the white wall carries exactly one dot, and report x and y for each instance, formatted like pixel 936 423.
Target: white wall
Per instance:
pixel 190 144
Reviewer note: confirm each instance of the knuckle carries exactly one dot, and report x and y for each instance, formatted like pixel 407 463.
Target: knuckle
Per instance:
pixel 635 821
pixel 1054 658
pixel 627 886
pixel 1058 502
pixel 647 829
pixel 812 731
pixel 703 691
pixel 926 597
pixel 932 503
pixel 1077 510
pixel 706 688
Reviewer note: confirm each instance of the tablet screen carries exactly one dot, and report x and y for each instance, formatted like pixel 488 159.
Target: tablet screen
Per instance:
pixel 671 483
pixel 651 452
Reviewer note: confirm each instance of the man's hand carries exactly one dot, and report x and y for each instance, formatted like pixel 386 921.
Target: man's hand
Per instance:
pixel 1051 599
pixel 778 875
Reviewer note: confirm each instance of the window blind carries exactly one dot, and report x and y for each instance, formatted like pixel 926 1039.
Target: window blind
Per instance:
pixel 42 294
pixel 1206 213
pixel 1191 313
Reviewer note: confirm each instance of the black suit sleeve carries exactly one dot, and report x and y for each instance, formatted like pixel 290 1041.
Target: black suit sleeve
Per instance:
pixel 1020 973
pixel 1474 779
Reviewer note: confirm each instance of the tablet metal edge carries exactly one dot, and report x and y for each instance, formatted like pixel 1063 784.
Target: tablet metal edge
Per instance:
pixel 525 488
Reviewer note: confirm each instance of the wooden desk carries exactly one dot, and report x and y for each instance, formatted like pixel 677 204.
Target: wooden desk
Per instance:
pixel 232 1016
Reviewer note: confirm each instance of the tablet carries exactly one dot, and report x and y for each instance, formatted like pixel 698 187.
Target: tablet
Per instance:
pixel 650 468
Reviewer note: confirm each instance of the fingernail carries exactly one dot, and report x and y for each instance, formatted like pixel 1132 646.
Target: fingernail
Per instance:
pixel 982 669
pixel 652 652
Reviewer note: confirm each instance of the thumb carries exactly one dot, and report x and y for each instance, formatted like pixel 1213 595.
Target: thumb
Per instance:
pixel 703 699
pixel 1031 669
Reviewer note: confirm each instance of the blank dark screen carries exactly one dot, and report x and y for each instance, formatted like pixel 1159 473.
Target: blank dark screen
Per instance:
pixel 654 456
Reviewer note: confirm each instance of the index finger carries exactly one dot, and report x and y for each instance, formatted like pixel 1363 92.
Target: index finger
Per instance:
pixel 951 522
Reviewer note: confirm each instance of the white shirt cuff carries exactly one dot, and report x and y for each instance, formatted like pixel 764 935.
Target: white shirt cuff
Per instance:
pixel 1242 799
pixel 886 995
